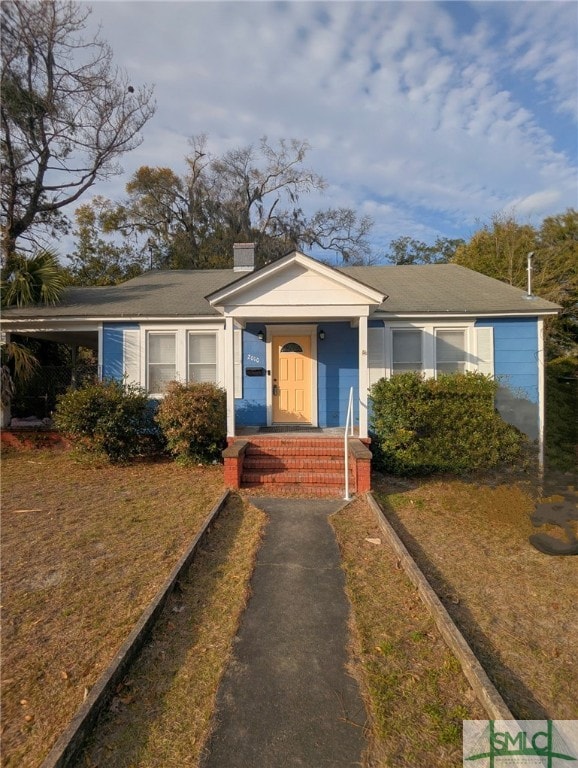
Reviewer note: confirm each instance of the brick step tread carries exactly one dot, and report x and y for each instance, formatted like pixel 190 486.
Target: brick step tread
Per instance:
pixel 293 451
pixel 292 476
pixel 319 442
pixel 318 463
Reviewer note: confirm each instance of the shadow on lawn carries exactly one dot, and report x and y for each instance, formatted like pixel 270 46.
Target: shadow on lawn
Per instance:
pixel 518 697
pixel 122 735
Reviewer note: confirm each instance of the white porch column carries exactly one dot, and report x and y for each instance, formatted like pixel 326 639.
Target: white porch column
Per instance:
pixel 230 375
pixel 363 377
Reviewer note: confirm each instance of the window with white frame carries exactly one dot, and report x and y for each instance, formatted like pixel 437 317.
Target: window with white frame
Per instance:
pixel 450 351
pixel 161 359
pixel 407 350
pixel 202 358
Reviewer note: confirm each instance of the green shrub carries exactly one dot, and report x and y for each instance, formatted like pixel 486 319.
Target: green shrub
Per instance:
pixel 448 424
pixel 193 418
pixel 562 413
pixel 107 417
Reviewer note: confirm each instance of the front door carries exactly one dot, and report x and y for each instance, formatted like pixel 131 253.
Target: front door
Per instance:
pixel 291 379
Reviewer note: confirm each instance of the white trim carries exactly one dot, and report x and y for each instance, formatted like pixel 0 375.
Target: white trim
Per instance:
pixel 238 361
pixel 299 312
pixel 363 358
pixel 230 375
pixel 435 316
pixel 100 354
pixel 287 330
pixel 541 394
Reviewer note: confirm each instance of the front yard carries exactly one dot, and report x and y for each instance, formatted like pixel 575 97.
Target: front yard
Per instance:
pixel 515 606
pixel 84 550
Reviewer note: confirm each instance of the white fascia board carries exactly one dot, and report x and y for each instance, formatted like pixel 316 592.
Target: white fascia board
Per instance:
pixel 78 321
pixel 432 317
pixel 36 326
pixel 309 312
pixel 223 297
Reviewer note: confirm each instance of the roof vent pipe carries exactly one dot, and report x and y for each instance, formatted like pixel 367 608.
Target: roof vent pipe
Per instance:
pixel 243 257
pixel 530 257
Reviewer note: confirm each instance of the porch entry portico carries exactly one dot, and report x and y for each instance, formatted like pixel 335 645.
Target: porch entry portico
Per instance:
pixel 290 301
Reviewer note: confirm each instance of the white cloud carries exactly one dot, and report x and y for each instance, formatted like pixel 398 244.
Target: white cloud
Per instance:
pixel 407 109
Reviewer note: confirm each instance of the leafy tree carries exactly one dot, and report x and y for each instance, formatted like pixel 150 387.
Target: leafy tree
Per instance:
pixel 556 274
pixel 247 194
pixel 96 260
pixel 67 115
pixel 500 249
pixel 407 250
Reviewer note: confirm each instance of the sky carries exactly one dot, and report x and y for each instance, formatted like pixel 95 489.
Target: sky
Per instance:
pixel 430 117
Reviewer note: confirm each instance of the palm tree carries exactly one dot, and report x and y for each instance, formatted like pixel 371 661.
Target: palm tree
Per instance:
pixel 37 279
pixel 25 280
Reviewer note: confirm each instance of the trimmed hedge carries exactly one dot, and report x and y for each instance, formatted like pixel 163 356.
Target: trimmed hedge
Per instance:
pixel 447 424
pixel 108 417
pixel 193 418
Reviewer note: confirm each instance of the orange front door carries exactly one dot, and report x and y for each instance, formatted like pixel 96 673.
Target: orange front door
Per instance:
pixel 291 379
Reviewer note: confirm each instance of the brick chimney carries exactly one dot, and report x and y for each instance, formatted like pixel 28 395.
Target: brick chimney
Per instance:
pixel 243 257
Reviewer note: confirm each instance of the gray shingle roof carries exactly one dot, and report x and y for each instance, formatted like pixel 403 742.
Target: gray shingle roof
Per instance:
pixel 445 288
pixel 434 289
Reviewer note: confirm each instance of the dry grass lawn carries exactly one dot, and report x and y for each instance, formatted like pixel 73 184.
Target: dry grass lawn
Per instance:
pixel 516 607
pixel 84 550
pixel 417 695
pixel 162 716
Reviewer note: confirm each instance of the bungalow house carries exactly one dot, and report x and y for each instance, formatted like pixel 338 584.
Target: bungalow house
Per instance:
pixel 288 341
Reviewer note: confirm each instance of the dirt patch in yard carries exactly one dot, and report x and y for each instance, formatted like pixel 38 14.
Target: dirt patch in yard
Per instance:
pixel 84 550
pixel 515 606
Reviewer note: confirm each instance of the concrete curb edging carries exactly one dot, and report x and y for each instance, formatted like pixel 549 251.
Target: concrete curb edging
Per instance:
pixel 69 744
pixel 483 687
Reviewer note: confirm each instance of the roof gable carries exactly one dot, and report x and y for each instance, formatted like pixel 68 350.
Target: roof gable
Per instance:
pixel 295 280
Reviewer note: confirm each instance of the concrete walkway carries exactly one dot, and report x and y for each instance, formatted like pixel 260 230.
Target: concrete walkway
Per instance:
pixel 287 699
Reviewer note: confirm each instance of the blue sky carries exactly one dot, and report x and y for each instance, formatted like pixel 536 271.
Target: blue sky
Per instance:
pixel 429 117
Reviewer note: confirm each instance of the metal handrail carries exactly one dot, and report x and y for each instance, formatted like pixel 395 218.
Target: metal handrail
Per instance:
pixel 348 425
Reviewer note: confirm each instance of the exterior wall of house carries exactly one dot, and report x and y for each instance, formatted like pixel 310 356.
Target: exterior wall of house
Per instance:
pixel 516 364
pixel 251 409
pixel 337 371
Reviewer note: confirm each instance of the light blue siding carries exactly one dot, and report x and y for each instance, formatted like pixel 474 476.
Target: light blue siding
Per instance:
pixel 337 371
pixel 516 354
pixel 251 409
pixel 516 369
pixel 112 349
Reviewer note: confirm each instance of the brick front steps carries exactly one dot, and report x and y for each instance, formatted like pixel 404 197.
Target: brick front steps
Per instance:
pixel 303 465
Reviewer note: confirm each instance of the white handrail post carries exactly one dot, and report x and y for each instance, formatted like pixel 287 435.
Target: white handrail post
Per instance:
pixel 346 441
